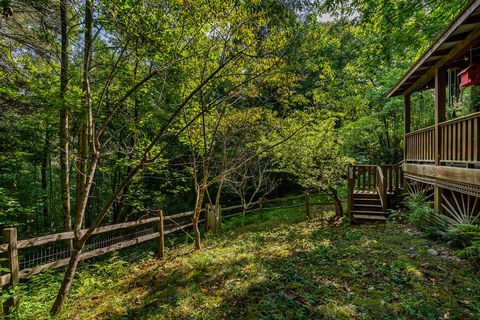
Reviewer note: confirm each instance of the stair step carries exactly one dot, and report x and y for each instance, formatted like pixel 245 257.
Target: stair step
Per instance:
pixel 367 207
pixel 367 201
pixel 376 213
pixel 365 195
pixel 369 217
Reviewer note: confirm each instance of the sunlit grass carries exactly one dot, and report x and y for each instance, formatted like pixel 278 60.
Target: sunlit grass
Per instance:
pixel 278 266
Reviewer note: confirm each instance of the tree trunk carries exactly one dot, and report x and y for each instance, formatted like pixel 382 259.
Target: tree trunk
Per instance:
pixel 86 178
pixel 52 192
pixel 196 231
pixel 218 197
pixel 44 182
pixel 338 203
pixel 197 211
pixel 64 122
pixel 67 280
pixel 81 166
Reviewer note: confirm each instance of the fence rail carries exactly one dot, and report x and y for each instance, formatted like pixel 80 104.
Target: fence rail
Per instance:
pixel 31 256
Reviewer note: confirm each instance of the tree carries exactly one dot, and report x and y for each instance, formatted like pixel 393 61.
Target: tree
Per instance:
pixel 314 156
pixel 252 182
pixel 213 59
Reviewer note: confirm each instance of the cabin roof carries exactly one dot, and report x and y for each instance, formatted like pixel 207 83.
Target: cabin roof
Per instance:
pixel 454 48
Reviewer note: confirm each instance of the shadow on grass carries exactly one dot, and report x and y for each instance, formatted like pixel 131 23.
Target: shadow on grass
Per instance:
pixel 305 270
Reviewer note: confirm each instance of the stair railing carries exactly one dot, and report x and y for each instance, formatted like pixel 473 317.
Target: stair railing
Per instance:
pixel 394 176
pixel 382 187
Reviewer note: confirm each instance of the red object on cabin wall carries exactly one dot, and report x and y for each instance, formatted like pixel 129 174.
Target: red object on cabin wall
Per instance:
pixel 470 76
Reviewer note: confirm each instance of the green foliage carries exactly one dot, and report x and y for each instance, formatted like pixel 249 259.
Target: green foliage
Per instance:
pixel 10 210
pixel 464 236
pixel 285 60
pixel 313 155
pixel 467 236
pixel 419 211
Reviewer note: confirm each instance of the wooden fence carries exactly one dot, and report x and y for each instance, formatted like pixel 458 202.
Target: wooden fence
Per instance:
pixel 31 256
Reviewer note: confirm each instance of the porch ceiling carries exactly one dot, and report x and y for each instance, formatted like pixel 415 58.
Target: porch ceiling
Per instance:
pixel 452 49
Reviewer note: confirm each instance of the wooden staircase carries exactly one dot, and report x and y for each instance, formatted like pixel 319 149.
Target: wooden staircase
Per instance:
pixel 367 207
pixel 371 190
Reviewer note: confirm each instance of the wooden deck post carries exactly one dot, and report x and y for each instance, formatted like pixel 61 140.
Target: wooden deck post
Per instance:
pixel 406 123
pixel 440 110
pixel 437 199
pixel 440 116
pixel 10 237
pixel 161 240
pixel 351 190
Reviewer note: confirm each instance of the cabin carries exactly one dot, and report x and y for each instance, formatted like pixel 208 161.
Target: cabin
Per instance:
pixel 441 161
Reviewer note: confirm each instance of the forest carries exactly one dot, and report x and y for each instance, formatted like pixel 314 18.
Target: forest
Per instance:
pixel 113 110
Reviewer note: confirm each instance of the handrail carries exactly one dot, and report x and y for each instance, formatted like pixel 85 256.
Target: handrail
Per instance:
pixel 445 123
pixel 460 119
pixel 419 131
pixel 382 187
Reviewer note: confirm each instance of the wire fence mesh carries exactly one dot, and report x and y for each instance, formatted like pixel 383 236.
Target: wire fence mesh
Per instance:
pixel 179 223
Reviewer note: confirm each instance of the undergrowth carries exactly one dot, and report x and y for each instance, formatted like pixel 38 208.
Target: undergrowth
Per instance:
pixel 277 266
pixel 462 232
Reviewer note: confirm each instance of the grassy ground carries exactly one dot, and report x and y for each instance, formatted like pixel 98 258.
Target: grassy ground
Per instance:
pixel 278 268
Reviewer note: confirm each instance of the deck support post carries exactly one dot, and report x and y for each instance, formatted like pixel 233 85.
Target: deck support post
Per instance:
pixel 406 122
pixel 440 116
pixel 440 110
pixel 437 199
pixel 406 130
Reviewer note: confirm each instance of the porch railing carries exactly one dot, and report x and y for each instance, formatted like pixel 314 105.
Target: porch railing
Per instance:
pixel 420 145
pixel 459 142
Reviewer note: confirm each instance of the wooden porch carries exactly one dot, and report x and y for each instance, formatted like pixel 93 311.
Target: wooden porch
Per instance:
pixel 442 161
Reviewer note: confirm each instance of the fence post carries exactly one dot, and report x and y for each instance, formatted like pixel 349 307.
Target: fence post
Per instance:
pixel 10 237
pixel 212 218
pixel 307 204
pixel 161 240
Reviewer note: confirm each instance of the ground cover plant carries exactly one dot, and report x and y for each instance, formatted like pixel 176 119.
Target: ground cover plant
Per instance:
pixel 461 232
pixel 279 266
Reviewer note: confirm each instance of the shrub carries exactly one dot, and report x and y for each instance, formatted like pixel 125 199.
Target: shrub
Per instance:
pixel 459 231
pixel 419 213
pixel 467 236
pixel 418 210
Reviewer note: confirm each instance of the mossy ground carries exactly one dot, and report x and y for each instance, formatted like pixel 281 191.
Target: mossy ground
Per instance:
pixel 281 267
